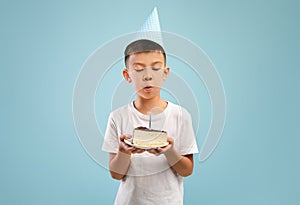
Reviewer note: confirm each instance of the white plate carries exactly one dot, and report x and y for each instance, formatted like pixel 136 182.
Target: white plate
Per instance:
pixel 142 147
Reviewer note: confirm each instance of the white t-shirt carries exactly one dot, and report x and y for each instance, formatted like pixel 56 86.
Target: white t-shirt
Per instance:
pixel 149 179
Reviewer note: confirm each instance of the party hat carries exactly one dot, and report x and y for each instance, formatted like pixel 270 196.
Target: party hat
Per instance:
pixel 151 28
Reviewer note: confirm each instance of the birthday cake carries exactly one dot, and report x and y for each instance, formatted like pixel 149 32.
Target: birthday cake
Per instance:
pixel 145 137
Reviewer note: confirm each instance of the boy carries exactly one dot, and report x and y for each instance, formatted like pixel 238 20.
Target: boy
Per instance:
pixel 153 176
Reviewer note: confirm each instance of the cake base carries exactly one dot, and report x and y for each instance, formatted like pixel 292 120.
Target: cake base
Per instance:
pixel 128 142
pixel 145 137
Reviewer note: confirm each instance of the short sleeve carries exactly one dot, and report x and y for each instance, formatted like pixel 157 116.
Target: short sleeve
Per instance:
pixel 111 139
pixel 188 144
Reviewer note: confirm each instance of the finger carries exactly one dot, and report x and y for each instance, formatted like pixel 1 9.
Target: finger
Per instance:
pixel 128 136
pixel 138 151
pixel 159 150
pixel 170 140
pixel 131 149
pixel 164 149
pixel 153 151
pixel 126 146
pixel 123 137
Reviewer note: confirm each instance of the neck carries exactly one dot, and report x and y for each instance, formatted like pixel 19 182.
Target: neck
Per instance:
pixel 145 106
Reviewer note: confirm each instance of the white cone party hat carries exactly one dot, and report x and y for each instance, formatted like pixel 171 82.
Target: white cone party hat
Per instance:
pixel 151 28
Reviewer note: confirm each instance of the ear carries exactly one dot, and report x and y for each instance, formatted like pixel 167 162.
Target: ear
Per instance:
pixel 166 72
pixel 126 75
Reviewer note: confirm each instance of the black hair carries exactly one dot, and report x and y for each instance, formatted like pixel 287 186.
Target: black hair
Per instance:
pixel 143 45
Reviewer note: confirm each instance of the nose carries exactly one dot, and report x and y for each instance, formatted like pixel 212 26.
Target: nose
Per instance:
pixel 147 76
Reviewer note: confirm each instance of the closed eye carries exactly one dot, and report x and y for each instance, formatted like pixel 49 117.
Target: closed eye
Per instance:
pixel 156 69
pixel 142 69
pixel 139 69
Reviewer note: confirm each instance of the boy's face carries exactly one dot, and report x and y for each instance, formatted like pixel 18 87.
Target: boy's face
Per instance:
pixel 147 71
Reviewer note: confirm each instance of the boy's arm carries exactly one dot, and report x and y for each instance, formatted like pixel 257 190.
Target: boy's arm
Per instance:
pixel 119 162
pixel 182 164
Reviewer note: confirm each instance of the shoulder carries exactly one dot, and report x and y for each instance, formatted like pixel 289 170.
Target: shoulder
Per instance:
pixel 121 111
pixel 179 110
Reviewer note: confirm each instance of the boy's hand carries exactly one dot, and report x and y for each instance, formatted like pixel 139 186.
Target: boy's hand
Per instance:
pixel 125 148
pixel 161 150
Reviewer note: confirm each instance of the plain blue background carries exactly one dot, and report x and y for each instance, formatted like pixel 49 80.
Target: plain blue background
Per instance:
pixel 253 44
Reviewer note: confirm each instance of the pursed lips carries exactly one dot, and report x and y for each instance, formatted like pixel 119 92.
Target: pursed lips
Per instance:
pixel 148 88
